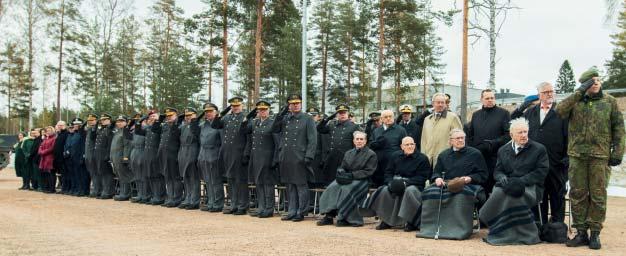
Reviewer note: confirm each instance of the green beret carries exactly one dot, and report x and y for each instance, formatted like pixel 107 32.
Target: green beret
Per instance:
pixel 590 73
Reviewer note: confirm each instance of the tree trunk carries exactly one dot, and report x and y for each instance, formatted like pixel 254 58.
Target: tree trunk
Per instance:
pixel 492 44
pixel 464 63
pixel 324 71
pixel 349 64
pixel 257 51
pixel 381 47
pixel 30 63
pixel 225 52
pixel 58 110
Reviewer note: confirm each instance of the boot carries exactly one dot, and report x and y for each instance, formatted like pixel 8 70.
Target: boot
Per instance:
pixel 594 240
pixel 580 239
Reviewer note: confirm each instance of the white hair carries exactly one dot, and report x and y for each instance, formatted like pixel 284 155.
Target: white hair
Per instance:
pixel 518 123
pixel 359 133
pixel 387 111
pixel 439 94
pixel 456 130
pixel 541 85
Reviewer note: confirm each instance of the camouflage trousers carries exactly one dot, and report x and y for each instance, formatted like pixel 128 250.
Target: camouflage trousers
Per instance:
pixel 588 179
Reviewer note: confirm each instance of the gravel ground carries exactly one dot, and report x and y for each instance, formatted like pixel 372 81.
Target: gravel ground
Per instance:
pixel 34 223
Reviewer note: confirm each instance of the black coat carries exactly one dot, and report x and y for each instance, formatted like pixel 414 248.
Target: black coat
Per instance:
pixel 339 141
pixel 360 162
pixel 414 167
pixel 419 124
pixel 59 145
pixel 411 129
pixel 298 141
pixel 552 134
pixel 488 131
pixel 233 146
pixel 530 164
pixel 467 161
pixel 385 143
pixel 34 153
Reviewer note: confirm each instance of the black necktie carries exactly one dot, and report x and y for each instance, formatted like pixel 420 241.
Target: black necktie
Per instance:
pixel 519 149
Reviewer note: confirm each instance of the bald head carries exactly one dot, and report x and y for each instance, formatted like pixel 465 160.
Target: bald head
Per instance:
pixel 408 145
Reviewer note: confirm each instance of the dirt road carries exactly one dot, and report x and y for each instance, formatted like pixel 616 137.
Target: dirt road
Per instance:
pixel 34 223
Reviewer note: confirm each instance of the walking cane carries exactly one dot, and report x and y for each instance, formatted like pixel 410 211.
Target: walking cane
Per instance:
pixel 443 176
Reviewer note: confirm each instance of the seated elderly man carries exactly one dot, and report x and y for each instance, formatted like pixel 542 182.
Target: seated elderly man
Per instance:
pixel 520 172
pixel 399 202
pixel 448 205
pixel 343 196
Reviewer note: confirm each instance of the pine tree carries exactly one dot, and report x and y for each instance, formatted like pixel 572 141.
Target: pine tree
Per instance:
pixel 616 67
pixel 565 83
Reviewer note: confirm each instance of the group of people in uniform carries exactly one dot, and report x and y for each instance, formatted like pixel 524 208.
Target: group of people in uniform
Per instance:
pixel 429 173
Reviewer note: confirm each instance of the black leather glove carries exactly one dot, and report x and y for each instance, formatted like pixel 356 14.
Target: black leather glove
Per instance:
pixel 399 118
pixel 143 118
pixel 343 177
pixel 524 105
pixel 131 123
pixel 252 114
pixel 515 188
pixel 586 85
pixel 615 162
pixel 284 110
pixel 180 118
pixel 161 118
pixel 225 111
pixel 200 116
pixel 503 181
pixel 370 122
pixel 331 116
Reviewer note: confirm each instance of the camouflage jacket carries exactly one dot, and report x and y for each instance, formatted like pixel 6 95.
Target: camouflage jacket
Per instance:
pixel 596 126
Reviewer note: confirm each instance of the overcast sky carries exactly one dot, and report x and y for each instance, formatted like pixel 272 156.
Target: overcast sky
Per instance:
pixel 534 42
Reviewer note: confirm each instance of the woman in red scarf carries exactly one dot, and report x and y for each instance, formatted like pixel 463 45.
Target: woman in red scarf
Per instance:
pixel 46 153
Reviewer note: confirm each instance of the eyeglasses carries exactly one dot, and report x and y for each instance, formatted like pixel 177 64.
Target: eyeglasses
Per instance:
pixel 547 92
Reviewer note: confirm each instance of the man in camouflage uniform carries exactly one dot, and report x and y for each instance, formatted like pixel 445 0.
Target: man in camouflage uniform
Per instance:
pixel 596 142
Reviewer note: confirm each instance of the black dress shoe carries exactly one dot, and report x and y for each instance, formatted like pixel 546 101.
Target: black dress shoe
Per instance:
pixel 594 240
pixel 135 199
pixel 120 198
pixel 182 206
pixel 215 210
pixel 266 214
pixel 204 208
pixel 298 218
pixel 93 195
pixel 240 212
pixel 192 207
pixel 343 223
pixel 408 228
pixel 104 197
pixel 230 211
pixel 288 217
pixel 383 226
pixel 325 221
pixel 580 239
